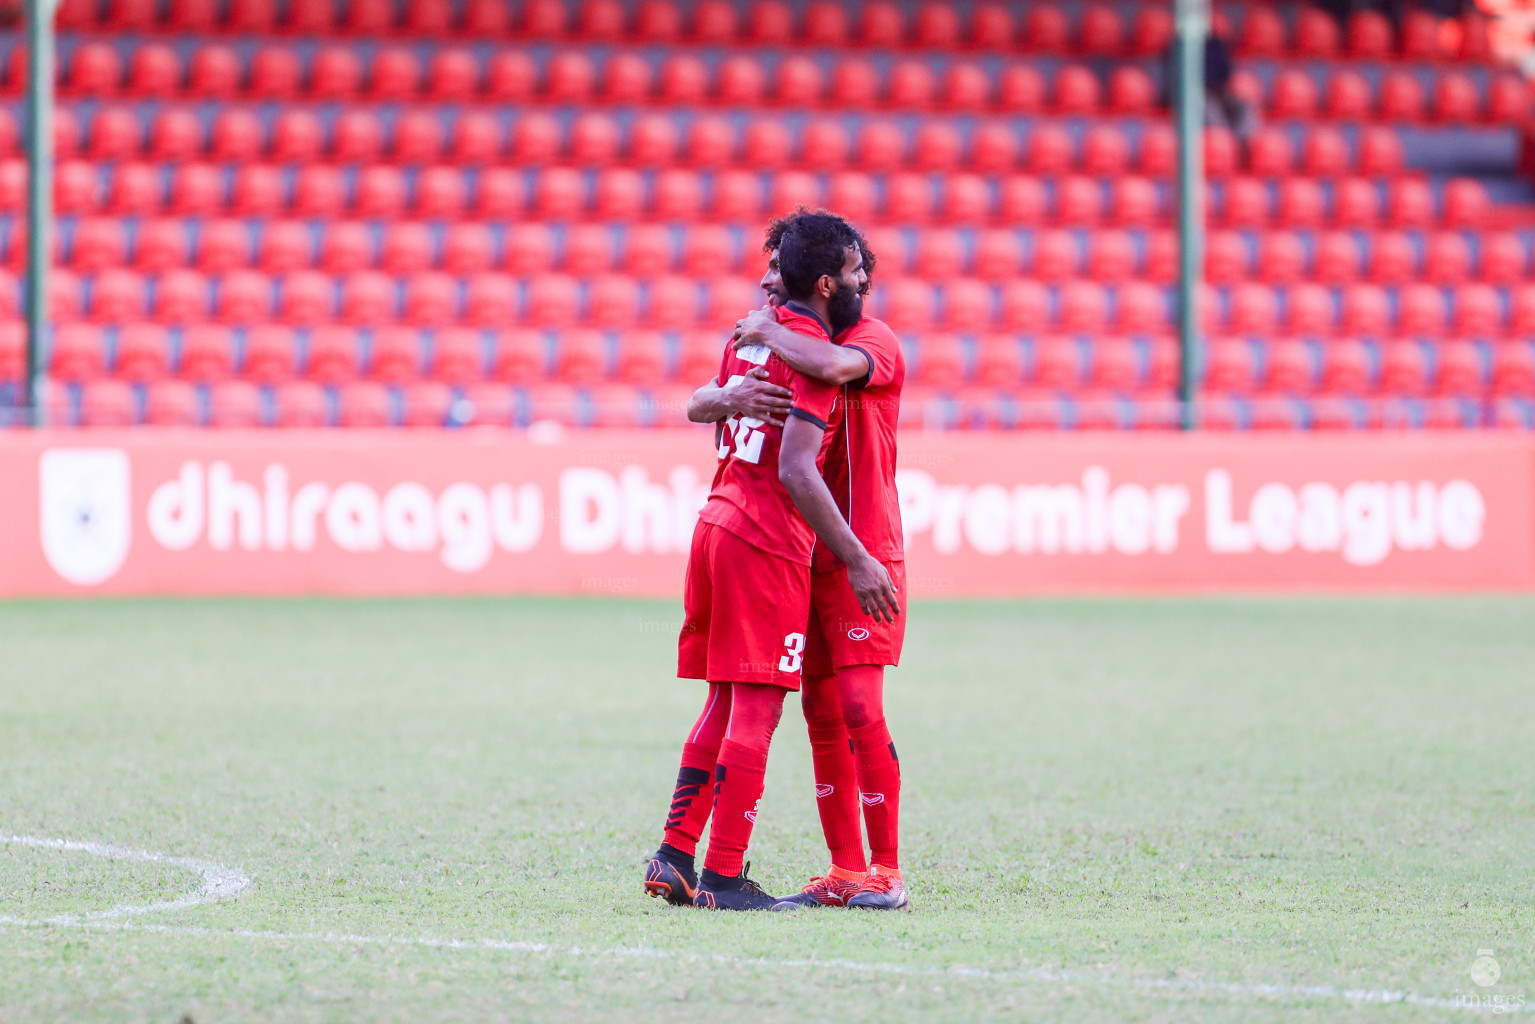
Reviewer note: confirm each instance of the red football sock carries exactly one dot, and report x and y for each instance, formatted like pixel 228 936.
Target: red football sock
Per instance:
pixel 836 774
pixel 693 798
pixel 879 769
pixel 738 777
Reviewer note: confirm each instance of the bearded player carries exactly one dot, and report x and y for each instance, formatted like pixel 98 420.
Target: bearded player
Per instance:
pixel 846 650
pixel 747 595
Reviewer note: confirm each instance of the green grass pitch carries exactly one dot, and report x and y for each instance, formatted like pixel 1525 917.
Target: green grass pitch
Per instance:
pixel 1222 809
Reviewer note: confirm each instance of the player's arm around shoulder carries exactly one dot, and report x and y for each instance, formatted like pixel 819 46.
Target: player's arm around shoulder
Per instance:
pixel 811 356
pixel 797 472
pixel 753 396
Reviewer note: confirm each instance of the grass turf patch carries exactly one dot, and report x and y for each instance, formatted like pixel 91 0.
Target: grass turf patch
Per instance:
pixel 1114 807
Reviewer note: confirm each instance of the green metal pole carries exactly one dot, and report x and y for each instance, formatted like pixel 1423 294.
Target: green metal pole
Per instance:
pixel 39 15
pixel 1193 24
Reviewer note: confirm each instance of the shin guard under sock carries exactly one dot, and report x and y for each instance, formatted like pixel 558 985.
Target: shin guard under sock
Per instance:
pixel 879 784
pixel 738 782
pixel 692 799
pixel 836 791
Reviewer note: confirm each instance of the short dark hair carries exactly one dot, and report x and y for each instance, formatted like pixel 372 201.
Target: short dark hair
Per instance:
pixel 779 225
pixel 814 245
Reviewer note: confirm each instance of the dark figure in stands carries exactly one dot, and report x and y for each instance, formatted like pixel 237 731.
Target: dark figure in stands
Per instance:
pixel 1222 106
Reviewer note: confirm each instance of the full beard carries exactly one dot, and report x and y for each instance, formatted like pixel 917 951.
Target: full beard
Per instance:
pixel 845 309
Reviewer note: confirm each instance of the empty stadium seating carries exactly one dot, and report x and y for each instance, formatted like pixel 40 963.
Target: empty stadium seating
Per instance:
pixel 368 213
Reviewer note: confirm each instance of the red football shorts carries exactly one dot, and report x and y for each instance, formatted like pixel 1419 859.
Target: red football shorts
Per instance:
pixel 841 634
pixel 744 612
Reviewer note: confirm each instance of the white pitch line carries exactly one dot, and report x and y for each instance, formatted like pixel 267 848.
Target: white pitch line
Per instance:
pixel 220 882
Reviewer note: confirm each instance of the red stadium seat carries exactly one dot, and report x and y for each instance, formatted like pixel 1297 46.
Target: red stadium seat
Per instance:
pixel 710 142
pixel 1078 200
pixel 1220 151
pixel 1421 310
pixel 335 354
pixel 1504 258
pixel 967 305
pixel 1048 150
pixel 1021 200
pixel 1420 35
pixel 406 249
pixel 1020 90
pixel 363 404
pixel 1244 202
pixel 452 75
pixel 1448 258
pixel 467 248
pixel 98 242
pixel 1289 368
pixel 1055 256
pixel 154 71
pixel 881 146
pixel 297 136
pixel 1076 89
pixel 243 297
pixel 458 356
pixel 207 352
pixel 569 77
pixel 766 144
pixel 535 139
pixel 612 301
pixel 1356 202
pixel 1316 33
pixel 306 297
pixel 993 146
pixel 1369 35
pixel 1225 257
pixel 769 23
pixel 678 196
pixel 740 82
pixel 1459 369
pixel 118 296
pixel 1335 257
pixel 1131 92
pixel 580 357
pixel 417 137
pixel 824 144
pixel 1024 306
pixel 652 140
pixel 79 352
pixel 335 72
pixel 936 146
pixel 1465 203
pixel 394 74
pixel 427 404
pixel 357 137
pixel 114 134
pixel 1150 32
pixel 1262 33
pixel 1508 99
pixel 1401 96
pixel 94 69
pixel 683 81
pixel 302 404
pixel 275 73
pixel 1478 311
pixel 1293 94
pixel 367 297
pixel 1281 257
pixel 657 21
pixel 558 194
pixel 499 193
pixel 510 77
pixel 1346 368
pixel 1380 152
pixel 441 193
pixel 910 85
pixel 181 296
pixel 490 300
pixel 553 301
pixel 1366 311
pixel 966 88
pixel 396 354
pixel 1083 307
pixel 1057 363
pixel 1455 98
pixel 258 191
pixel 1513 370
pixel 1410 203
pixel 1348 96
pixel 850 193
pixel 1308 310
pixel 998 361
pixel 1099 30
pixel 271 353
pixel 106 403
pixel 1105 151
pixel 235 136
pixel 991 27
pixel 1045 29
pixel 966 199
pixel 143 352
pixel 346 246
pixel 600 20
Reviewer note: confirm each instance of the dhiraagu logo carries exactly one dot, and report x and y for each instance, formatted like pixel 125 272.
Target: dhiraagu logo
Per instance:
pixel 85 512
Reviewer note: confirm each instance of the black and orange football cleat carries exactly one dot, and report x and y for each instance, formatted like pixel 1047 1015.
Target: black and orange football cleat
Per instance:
pixel 719 892
pixel 665 878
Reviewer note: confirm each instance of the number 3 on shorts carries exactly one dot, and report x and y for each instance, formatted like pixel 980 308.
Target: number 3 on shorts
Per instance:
pixel 794 643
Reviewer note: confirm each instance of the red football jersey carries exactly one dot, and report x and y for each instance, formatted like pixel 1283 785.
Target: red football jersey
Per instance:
pixel 860 462
pixel 747 498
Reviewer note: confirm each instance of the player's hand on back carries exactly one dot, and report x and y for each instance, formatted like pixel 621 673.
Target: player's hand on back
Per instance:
pixel 755 397
pixel 749 328
pixel 875 589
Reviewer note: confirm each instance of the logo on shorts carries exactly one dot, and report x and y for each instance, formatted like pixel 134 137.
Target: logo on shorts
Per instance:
pixel 858 633
pixel 872 799
pixel 824 789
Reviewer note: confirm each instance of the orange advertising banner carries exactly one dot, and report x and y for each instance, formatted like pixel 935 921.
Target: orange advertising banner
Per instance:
pixel 611 512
